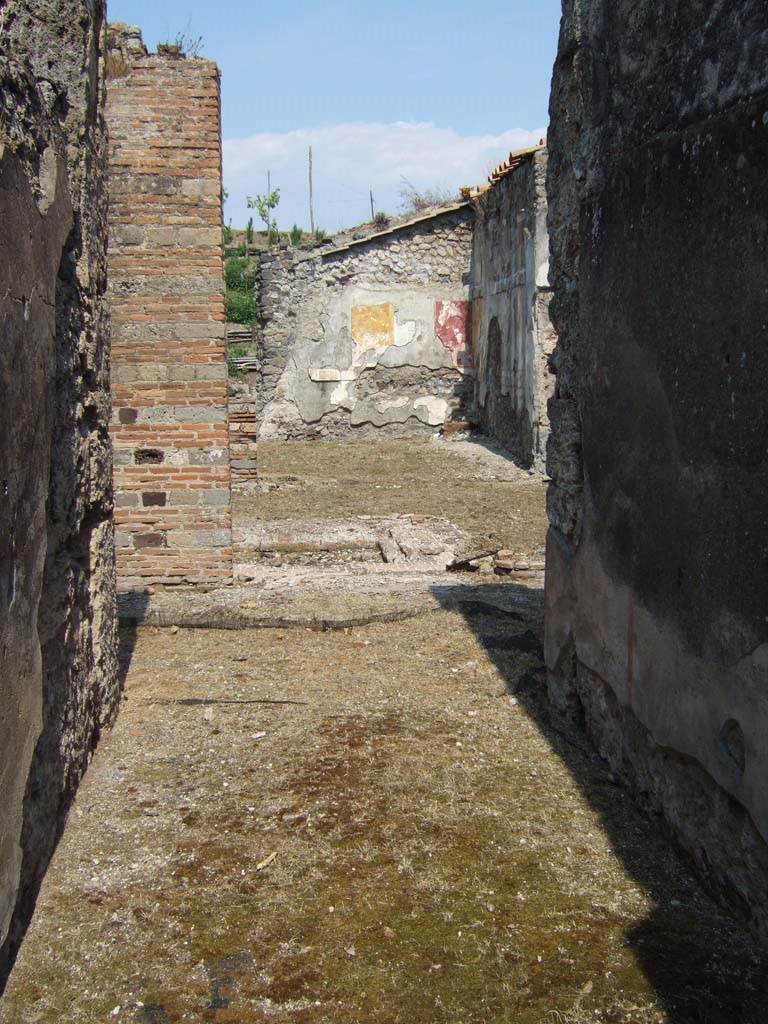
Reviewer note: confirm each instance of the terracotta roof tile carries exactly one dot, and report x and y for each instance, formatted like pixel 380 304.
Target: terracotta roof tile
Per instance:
pixel 513 161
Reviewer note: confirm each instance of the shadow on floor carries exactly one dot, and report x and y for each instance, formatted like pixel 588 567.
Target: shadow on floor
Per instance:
pixel 703 965
pixel 131 607
pixel 495 447
pixel 53 781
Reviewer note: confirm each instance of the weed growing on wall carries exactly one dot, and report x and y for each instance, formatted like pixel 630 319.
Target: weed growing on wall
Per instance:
pixel 184 44
pixel 414 201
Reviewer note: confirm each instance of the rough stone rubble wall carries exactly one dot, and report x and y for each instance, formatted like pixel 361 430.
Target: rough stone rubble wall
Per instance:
pixel 371 339
pixel 657 566
pixel 57 585
pixel 511 331
pixel 243 432
pixel 169 370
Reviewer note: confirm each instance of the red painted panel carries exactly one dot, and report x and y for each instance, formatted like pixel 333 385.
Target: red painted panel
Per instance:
pixel 452 326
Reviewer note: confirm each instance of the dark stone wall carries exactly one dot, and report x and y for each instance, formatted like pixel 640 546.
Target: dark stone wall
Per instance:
pixel 511 330
pixel 58 673
pixel 657 584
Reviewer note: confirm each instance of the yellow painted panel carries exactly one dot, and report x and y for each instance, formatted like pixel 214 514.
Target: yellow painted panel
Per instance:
pixel 373 326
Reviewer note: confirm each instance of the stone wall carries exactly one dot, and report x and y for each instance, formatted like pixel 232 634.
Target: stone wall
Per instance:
pixel 371 337
pixel 657 565
pixel 511 331
pixel 57 587
pixel 166 291
pixel 243 431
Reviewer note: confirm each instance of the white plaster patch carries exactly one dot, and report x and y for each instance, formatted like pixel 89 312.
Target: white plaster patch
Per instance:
pixel 436 409
pixel 405 332
pixel 393 403
pixel 324 373
pixel 340 394
pixel 48 179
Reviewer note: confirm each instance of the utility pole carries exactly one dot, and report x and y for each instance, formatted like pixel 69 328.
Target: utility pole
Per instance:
pixel 370 192
pixel 311 207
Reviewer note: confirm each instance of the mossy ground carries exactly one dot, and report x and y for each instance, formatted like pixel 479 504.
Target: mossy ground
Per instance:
pixel 444 850
pixel 478 488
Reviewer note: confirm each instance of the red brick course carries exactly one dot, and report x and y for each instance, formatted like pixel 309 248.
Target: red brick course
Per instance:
pixel 169 371
pixel 243 435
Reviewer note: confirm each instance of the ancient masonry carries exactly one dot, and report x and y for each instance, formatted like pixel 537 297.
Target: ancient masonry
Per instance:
pixel 371 336
pixel 657 566
pixel 443 317
pixel 512 335
pixel 57 584
pixel 166 292
pixel 243 432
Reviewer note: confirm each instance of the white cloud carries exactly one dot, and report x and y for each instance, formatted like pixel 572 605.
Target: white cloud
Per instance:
pixel 350 159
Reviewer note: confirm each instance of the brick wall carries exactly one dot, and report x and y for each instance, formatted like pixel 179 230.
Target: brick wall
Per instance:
pixel 169 372
pixel 243 432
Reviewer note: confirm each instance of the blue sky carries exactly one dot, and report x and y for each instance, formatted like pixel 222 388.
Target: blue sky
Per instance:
pixel 436 91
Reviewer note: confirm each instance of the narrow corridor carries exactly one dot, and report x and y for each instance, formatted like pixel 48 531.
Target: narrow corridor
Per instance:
pixel 381 822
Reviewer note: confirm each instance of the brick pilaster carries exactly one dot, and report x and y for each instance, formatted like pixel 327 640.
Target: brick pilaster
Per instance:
pixel 166 288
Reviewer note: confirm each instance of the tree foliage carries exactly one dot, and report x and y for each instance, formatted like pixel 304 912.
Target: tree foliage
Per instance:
pixel 264 205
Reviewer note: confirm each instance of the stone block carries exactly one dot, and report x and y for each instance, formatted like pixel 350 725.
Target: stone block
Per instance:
pixel 215 497
pixel 126 499
pixel 148 540
pixel 150 499
pixel 209 457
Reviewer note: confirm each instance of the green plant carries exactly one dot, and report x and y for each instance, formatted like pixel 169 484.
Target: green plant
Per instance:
pixel 264 205
pixel 249 231
pixel 320 235
pixel 239 273
pixel 233 353
pixel 228 232
pixel 241 307
pixel 381 220
pixel 296 235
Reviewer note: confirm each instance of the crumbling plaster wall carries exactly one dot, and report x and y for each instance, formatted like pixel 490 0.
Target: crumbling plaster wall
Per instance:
pixel 372 337
pixel 166 290
pixel 58 678
pixel 511 330
pixel 657 565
